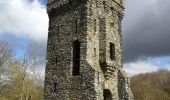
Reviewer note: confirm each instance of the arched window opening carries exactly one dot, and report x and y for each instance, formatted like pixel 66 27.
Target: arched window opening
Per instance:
pixel 112 51
pixel 107 95
pixel 76 57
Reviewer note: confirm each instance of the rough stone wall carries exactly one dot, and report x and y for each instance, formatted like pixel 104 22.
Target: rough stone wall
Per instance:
pixel 66 24
pixel 124 86
pixel 96 24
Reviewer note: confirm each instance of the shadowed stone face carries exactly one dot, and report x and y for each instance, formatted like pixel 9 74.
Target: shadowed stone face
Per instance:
pixel 84 54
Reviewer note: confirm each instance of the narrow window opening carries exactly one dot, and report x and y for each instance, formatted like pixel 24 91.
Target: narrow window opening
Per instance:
pixel 76 57
pixel 56 60
pixel 58 30
pixel 112 25
pixel 55 87
pixel 98 78
pixel 95 25
pixel 104 4
pixel 76 26
pixel 94 52
pixel 112 51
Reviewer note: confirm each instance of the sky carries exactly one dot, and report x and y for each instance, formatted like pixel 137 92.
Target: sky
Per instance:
pixel 145 30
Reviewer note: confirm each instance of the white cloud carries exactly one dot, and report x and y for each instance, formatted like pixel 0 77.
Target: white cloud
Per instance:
pixel 135 68
pixel 20 18
pixel 168 67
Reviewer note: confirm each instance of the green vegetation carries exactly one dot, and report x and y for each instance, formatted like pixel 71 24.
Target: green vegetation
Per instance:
pixel 151 86
pixel 19 77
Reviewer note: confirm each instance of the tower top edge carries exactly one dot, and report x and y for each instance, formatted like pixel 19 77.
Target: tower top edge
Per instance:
pixel 57 4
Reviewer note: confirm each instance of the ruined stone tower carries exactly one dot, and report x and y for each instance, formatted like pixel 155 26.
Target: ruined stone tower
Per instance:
pixel 84 54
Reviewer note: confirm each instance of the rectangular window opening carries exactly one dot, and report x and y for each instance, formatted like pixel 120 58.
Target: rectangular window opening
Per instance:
pixel 95 28
pixel 112 51
pixel 76 58
pixel 55 87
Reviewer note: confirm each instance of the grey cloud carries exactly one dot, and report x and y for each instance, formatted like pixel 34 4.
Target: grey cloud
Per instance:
pixel 146 29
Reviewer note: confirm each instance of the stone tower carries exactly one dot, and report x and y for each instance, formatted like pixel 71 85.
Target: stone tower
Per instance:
pixel 84 54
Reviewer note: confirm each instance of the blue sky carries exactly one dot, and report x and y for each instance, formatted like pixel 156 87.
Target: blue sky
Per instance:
pixel 22 21
pixel 18 43
pixel 43 2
